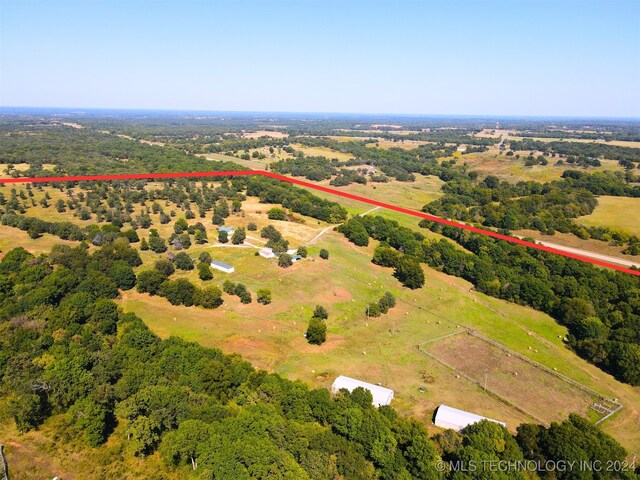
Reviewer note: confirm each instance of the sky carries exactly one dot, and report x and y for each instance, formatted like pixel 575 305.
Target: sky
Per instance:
pixel 453 57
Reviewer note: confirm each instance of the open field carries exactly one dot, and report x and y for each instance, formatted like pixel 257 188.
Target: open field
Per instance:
pixel 513 169
pixel 265 133
pixel 616 212
pixel 619 143
pixel 514 379
pixel 322 152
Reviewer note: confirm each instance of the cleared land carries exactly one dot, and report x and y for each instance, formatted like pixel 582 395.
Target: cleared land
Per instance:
pixel 513 379
pixel 616 212
pixel 513 169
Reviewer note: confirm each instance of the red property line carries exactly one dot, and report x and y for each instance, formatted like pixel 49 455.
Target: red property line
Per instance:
pixel 407 211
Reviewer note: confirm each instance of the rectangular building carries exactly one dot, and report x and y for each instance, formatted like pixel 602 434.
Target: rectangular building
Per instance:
pixel 223 267
pixel 449 417
pixel 381 395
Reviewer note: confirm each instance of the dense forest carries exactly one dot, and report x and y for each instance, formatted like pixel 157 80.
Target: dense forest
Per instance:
pixel 69 353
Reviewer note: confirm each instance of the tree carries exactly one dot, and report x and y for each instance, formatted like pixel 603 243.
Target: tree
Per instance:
pixel 180 226
pixel 409 272
pixel 302 251
pixel 238 236
pixel 276 213
pixel 242 292
pixel 204 272
pixel 373 310
pixel 183 261
pixel 165 266
pixel 223 237
pixel 264 296
pixel 90 418
pixel 387 302
pixel 144 246
pixel 157 244
pixel 149 281
pixel 178 292
pixel 209 297
pixel 122 274
pixel 324 254
pixel 200 237
pixel 252 227
pixel 27 411
pixel 316 331
pixel 320 312
pixel 285 260
pixel 186 444
pixel 205 257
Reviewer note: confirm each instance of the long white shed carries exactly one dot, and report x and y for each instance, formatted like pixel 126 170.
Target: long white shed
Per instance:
pixel 381 395
pixel 449 417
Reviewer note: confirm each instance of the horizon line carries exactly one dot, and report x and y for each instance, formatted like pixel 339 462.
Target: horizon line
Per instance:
pixel 483 116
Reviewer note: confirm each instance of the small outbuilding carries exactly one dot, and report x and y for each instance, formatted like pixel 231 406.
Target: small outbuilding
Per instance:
pixel 381 395
pixel 229 230
pixel 223 267
pixel 295 258
pixel 266 253
pixel 449 417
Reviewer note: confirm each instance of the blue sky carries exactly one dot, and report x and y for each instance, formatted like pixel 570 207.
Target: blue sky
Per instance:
pixel 553 57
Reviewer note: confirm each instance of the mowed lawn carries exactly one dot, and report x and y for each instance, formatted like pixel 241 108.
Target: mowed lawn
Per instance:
pixel 616 212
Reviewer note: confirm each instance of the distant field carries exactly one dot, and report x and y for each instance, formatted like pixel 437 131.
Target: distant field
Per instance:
pixel 619 143
pixel 616 212
pixel 264 133
pixel 514 170
pixel 322 152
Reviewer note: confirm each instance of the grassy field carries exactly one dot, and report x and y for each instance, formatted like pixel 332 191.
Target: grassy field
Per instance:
pixel 619 143
pixel 616 212
pixel 513 170
pixel 322 152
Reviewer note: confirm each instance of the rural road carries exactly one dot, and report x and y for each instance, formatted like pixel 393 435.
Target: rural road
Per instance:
pixel 587 253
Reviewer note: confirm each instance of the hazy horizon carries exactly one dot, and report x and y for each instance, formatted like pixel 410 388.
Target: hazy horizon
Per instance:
pixel 462 58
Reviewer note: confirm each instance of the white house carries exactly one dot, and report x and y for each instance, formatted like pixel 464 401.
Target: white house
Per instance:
pixel 229 230
pixel 449 417
pixel 381 395
pixel 223 267
pixel 266 253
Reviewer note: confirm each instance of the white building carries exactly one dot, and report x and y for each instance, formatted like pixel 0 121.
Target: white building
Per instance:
pixel 381 395
pixel 229 230
pixel 223 267
pixel 266 253
pixel 448 417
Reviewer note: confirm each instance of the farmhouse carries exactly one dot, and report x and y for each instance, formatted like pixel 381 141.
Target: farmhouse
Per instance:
pixel 223 267
pixel 381 395
pixel 448 417
pixel 266 253
pixel 229 230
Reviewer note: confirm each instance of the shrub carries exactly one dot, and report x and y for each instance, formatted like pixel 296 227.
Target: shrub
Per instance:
pixel 324 254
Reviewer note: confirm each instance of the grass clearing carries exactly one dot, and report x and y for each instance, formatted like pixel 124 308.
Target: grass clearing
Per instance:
pixel 513 378
pixel 617 212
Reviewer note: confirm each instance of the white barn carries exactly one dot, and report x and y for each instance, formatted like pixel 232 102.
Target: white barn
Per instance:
pixel 266 253
pixel 449 417
pixel 223 267
pixel 381 395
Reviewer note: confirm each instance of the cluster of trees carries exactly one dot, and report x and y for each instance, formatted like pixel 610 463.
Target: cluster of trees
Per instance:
pixel 400 248
pixel 295 199
pixel 546 207
pixel 181 291
pixel 275 240
pixel 625 155
pixel 317 330
pixel 382 306
pixel 239 290
pixel 601 308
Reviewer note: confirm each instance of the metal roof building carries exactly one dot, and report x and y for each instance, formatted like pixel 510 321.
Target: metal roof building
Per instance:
pixel 381 395
pixel 223 267
pixel 449 417
pixel 266 253
pixel 229 230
